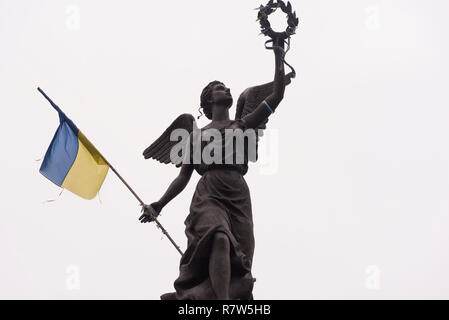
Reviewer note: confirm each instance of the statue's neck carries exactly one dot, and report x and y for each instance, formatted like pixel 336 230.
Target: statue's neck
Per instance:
pixel 220 113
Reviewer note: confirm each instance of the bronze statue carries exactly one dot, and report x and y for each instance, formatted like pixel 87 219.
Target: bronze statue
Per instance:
pixel 218 259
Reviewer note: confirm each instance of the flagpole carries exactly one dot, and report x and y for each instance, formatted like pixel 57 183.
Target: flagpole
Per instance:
pixel 142 204
pixel 123 180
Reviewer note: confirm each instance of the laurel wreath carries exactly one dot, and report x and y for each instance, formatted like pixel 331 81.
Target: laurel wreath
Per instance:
pixel 265 11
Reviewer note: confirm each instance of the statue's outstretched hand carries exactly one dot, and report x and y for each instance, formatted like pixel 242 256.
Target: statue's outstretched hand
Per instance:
pixel 150 212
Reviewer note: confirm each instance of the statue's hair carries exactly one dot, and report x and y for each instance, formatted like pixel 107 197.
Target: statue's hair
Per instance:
pixel 205 98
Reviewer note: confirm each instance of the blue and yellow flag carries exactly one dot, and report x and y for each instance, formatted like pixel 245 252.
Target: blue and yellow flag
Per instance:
pixel 71 161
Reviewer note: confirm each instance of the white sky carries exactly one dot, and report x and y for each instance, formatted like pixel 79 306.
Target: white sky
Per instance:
pixel 358 153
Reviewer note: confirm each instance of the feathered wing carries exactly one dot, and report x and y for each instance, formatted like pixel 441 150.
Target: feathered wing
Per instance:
pixel 250 99
pixel 161 148
pixel 253 96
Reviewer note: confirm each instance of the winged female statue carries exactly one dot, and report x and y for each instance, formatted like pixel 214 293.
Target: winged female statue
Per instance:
pixel 219 227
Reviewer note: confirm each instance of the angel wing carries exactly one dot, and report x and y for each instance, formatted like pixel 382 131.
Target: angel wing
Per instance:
pixel 251 98
pixel 161 148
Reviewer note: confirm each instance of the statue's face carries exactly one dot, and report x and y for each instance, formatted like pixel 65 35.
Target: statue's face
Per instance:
pixel 221 95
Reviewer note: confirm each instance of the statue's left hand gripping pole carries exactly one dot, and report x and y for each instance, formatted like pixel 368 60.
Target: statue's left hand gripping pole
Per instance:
pixel 124 182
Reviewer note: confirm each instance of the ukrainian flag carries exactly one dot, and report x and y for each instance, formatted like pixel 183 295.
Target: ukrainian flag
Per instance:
pixel 71 161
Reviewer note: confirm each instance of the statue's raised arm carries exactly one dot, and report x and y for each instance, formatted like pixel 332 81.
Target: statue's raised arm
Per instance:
pixel 256 104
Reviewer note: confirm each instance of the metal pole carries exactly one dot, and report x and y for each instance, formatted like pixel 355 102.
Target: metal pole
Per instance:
pixel 142 203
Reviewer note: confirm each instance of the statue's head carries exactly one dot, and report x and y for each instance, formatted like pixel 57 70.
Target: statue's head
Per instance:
pixel 215 93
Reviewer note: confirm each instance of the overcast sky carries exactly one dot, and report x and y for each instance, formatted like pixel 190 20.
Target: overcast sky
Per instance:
pixel 357 152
